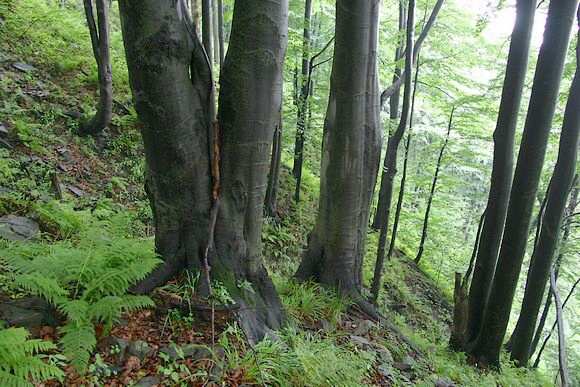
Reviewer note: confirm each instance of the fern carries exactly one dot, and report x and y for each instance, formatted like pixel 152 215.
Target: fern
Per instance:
pixel 86 277
pixel 20 364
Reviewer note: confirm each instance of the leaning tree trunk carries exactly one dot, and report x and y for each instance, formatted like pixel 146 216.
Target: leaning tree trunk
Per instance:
pixel 302 101
pixel 390 166
pixel 171 83
pixel 100 42
pixel 351 152
pixel 501 175
pixel 249 110
pixel 432 191
pixel 544 251
pixel 526 178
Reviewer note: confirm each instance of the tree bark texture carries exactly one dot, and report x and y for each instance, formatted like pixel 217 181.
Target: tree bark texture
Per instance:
pixel 432 191
pixel 171 82
pixel 351 153
pixel 501 175
pixel 249 110
pixel 302 100
pixel 562 356
pixel 100 41
pixel 541 261
pixel 526 178
pixel 390 166
pixel 221 33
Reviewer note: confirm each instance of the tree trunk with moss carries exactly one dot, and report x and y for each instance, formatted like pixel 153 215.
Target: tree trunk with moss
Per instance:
pixel 100 41
pixel 543 100
pixel 171 82
pixel 351 152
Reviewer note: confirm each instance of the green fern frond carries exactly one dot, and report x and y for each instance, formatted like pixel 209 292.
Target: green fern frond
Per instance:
pixel 78 342
pixel 75 310
pixel 19 361
pixel 43 286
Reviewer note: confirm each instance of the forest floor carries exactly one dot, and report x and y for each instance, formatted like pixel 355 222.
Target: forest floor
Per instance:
pixel 56 180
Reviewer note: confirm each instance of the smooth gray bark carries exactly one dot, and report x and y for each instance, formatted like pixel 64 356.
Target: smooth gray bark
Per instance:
pixel 545 248
pixel 172 86
pixel 100 41
pixel 501 175
pixel 351 152
pixel 526 179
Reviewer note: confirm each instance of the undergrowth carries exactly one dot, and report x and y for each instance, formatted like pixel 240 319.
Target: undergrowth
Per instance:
pixel 86 276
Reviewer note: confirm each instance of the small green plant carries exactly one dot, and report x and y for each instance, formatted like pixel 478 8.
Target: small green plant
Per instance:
pixel 86 279
pixel 178 373
pixel 21 362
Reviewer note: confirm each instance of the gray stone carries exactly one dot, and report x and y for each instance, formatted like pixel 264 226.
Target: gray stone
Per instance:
pixel 192 351
pixel 76 191
pixel 384 354
pixel 24 67
pixel 29 312
pixel 18 228
pixel 140 349
pixel 360 342
pixel 149 381
pixel 363 327
pixel 406 365
pixel 385 370
pixel 444 382
pixel 118 347
pixel 3 130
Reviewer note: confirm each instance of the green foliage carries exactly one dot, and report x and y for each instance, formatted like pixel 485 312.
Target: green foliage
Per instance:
pixel 87 278
pixel 296 359
pixel 309 302
pixel 21 359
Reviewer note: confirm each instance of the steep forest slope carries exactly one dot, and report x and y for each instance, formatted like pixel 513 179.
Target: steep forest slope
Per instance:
pixel 76 205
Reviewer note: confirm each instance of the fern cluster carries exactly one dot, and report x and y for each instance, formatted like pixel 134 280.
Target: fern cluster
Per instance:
pixel 87 278
pixel 21 364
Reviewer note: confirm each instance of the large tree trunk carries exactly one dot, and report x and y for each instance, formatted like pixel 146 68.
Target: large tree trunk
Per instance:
pixel 432 191
pixel 178 133
pixel 351 152
pixel 302 100
pixel 100 42
pixel 526 178
pixel 390 166
pixel 544 251
pixel 249 110
pixel 501 175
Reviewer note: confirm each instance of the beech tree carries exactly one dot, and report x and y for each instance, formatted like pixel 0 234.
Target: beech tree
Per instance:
pixel 526 178
pixel 541 261
pixel 502 170
pixel 351 152
pixel 208 207
pixel 100 42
